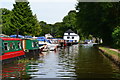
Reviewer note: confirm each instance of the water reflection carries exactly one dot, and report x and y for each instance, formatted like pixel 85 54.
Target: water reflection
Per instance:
pixel 69 62
pixel 15 71
pixel 92 64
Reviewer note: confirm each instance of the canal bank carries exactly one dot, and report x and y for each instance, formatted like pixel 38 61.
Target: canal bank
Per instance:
pixel 112 54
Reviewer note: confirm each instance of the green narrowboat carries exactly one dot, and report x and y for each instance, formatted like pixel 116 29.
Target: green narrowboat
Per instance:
pixel 30 46
pixel 11 48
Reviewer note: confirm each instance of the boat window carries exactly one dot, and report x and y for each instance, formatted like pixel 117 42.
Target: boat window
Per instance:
pixel 72 37
pixel 11 45
pixel 32 44
pixel 36 44
pixel 19 45
pixel 68 37
pixel 6 46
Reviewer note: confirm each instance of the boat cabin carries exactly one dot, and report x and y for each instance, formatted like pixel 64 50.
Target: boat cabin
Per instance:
pixel 11 48
pixel 30 44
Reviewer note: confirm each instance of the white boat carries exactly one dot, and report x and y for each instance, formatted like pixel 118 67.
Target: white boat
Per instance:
pixel 43 44
pixel 45 49
pixel 52 46
pixel 47 44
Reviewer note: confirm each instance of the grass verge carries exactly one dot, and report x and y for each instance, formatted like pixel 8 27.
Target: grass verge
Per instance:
pixel 107 50
pixel 112 55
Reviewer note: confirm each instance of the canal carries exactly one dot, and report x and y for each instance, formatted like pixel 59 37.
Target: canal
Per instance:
pixel 71 62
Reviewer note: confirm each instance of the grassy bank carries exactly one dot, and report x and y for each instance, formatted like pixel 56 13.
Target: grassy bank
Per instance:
pixel 111 54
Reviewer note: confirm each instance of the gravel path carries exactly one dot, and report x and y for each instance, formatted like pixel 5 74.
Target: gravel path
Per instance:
pixel 116 50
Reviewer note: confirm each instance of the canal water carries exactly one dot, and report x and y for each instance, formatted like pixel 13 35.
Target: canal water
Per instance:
pixel 73 62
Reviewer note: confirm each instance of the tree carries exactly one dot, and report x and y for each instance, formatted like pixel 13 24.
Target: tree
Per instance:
pixel 98 19
pixel 116 36
pixel 46 28
pixel 5 20
pixel 69 21
pixel 58 29
pixel 23 19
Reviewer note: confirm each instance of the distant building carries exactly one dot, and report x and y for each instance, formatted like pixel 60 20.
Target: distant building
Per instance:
pixel 70 36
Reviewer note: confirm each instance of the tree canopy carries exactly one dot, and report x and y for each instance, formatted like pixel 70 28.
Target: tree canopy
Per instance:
pixel 98 19
pixel 69 20
pixel 58 29
pixel 20 19
pixel 5 20
pixel 24 20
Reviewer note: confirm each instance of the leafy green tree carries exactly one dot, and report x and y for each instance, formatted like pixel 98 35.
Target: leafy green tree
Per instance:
pixel 116 36
pixel 69 21
pixel 98 19
pixel 59 29
pixel 23 19
pixel 46 28
pixel 37 28
pixel 5 20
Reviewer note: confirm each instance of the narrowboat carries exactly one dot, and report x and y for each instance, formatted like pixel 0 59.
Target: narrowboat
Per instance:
pixel 30 46
pixel 11 48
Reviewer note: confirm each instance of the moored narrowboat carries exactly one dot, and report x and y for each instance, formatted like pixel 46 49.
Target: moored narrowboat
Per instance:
pixel 11 48
pixel 30 46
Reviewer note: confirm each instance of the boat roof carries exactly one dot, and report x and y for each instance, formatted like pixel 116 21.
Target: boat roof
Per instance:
pixel 19 36
pixel 9 39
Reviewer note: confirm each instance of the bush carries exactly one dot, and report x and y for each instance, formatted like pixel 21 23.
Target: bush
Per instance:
pixel 116 36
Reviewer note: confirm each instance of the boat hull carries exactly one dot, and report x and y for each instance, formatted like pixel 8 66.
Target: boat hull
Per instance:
pixel 10 56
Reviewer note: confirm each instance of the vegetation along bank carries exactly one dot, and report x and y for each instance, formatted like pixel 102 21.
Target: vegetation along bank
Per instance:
pixel 112 54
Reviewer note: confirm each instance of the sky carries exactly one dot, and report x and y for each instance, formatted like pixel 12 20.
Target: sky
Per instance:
pixel 50 11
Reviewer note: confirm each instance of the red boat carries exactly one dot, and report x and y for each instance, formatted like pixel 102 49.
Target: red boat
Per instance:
pixel 10 48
